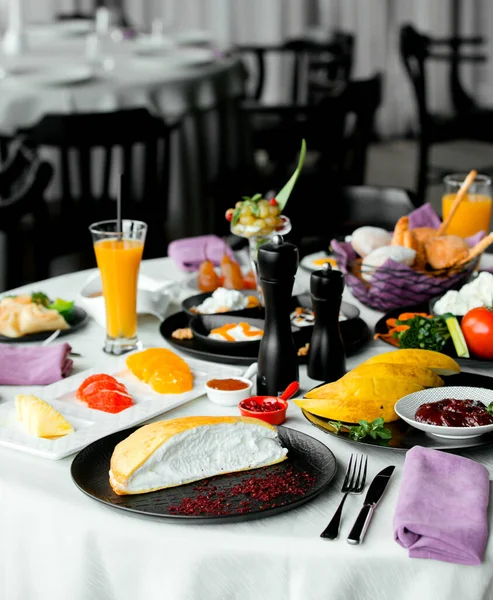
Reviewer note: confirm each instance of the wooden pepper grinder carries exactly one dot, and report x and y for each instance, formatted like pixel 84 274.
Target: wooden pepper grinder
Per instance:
pixel 278 357
pixel 326 357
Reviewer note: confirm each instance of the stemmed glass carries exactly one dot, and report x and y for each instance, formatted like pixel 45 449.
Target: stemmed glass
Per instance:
pixel 257 239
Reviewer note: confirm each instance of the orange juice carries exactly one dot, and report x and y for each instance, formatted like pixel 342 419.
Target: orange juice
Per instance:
pixel 118 262
pixel 473 214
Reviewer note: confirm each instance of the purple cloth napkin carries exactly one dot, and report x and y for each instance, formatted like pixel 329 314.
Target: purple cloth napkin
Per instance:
pixel 37 365
pixel 441 511
pixel 188 253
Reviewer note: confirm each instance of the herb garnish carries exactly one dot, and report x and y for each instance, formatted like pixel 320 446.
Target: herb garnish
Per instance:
pixel 64 307
pixel 375 429
pixel 427 333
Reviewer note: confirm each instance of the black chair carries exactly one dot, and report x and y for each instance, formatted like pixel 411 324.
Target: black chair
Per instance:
pixel 142 141
pixel 313 64
pixel 341 210
pixel 330 60
pixel 24 179
pixel 337 130
pixel 469 120
pixel 78 14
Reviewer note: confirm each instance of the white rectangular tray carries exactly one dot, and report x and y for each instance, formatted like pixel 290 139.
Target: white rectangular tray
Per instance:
pixel 91 424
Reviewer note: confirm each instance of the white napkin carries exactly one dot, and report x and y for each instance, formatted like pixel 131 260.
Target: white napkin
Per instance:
pixel 153 297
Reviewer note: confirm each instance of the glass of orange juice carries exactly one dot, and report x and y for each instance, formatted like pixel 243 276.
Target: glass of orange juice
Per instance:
pixel 474 212
pixel 118 254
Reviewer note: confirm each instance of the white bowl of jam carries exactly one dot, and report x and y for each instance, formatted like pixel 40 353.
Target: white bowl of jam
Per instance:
pixel 450 412
pixel 228 391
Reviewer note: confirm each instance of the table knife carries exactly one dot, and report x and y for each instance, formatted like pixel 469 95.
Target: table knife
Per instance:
pixel 375 492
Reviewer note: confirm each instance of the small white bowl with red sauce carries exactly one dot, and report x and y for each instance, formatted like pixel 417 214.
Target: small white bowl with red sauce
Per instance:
pixel 228 391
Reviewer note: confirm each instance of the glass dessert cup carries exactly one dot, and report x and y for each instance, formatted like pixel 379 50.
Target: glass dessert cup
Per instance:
pixel 256 238
pixel 118 255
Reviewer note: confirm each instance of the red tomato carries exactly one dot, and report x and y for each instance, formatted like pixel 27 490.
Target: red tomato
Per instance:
pixel 477 327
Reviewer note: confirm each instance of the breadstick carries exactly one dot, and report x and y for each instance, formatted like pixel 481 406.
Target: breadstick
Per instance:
pixel 466 184
pixel 401 226
pixel 478 249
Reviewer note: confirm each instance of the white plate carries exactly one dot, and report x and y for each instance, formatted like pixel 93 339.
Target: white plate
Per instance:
pixel 91 424
pixel 65 28
pixel 406 409
pixel 307 262
pixel 153 46
pixel 58 76
pixel 191 37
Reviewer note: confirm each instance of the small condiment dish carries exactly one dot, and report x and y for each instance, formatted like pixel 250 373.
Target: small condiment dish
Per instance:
pixel 270 409
pixel 228 397
pixel 264 412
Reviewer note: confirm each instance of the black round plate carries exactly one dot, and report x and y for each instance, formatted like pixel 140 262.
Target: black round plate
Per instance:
pixel 405 436
pixel 192 301
pixel 305 454
pixel 304 300
pixel 425 307
pixel 355 334
pixel 78 320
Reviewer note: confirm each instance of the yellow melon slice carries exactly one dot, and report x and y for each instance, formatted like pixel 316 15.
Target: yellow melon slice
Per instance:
pixel 40 418
pixel 357 398
pixel 436 361
pixel 420 375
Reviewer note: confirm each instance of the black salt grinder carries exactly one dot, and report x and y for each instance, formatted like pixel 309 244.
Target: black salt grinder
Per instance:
pixel 277 357
pixel 326 357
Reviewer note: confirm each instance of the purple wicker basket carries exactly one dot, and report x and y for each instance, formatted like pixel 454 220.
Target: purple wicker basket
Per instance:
pixel 394 285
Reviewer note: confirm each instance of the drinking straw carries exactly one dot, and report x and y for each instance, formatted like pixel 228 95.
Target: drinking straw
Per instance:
pixel 119 225
pixel 466 184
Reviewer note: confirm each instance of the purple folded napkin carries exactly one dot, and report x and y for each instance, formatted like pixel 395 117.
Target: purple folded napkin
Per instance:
pixel 37 365
pixel 441 511
pixel 188 253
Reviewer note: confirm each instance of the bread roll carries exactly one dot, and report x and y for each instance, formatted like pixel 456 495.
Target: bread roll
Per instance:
pixel 366 239
pixel 378 257
pixel 170 453
pixel 445 251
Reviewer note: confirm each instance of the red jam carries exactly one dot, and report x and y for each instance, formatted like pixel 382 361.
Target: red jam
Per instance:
pixel 227 385
pixel 262 407
pixel 454 413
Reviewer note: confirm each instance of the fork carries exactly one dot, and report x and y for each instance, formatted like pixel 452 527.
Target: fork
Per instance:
pixel 354 483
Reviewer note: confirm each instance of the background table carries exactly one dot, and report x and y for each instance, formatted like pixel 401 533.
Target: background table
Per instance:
pixel 57 543
pixel 202 96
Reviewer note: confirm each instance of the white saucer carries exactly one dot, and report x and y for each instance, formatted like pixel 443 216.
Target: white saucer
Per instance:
pixel 406 409
pixel 53 76
pixel 194 56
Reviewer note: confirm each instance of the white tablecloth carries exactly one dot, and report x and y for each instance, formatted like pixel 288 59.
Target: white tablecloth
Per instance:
pixel 57 543
pixel 203 96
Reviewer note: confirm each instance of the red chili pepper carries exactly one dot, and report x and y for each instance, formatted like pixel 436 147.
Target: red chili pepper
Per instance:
pixel 273 202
